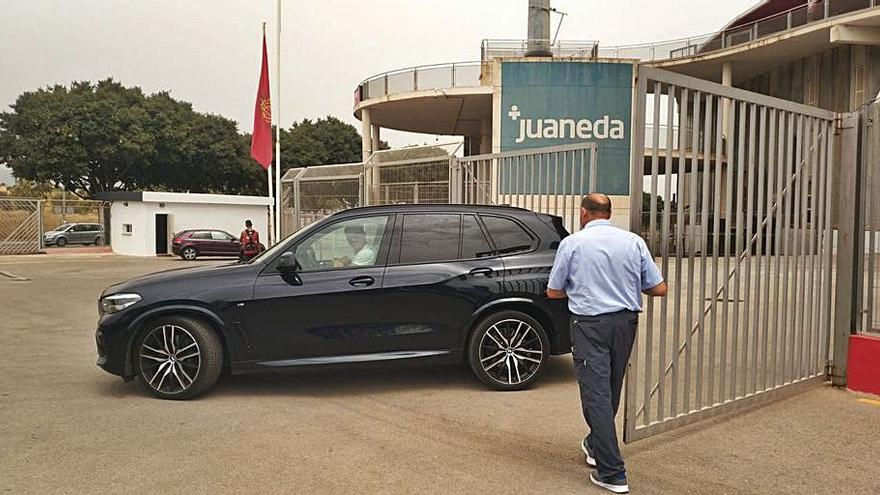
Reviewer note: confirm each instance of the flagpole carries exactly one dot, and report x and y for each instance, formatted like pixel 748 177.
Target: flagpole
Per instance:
pixel 271 223
pixel 276 110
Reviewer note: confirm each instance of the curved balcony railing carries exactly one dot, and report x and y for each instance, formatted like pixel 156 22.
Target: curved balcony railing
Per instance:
pixel 425 77
pixel 467 74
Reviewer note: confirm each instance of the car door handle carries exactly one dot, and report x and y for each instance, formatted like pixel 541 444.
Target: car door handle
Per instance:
pixel 484 271
pixel 364 281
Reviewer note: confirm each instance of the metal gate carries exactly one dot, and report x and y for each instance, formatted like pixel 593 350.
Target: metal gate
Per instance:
pixel 738 215
pixel 866 297
pixel 21 229
pixel 546 180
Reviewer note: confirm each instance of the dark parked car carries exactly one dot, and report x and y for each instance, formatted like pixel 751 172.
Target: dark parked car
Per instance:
pixel 190 244
pixel 445 282
pixel 74 233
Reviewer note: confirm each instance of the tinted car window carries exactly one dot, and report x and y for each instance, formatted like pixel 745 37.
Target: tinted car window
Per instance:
pixel 508 235
pixel 350 243
pixel 200 235
pixel 473 242
pixel 430 237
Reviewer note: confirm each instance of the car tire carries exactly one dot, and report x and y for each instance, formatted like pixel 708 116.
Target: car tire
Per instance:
pixel 61 242
pixel 178 357
pixel 97 241
pixel 508 350
pixel 189 253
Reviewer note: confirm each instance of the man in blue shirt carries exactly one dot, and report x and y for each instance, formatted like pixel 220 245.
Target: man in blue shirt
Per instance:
pixel 603 271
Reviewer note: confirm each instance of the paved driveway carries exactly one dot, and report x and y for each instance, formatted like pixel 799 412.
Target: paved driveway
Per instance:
pixel 68 427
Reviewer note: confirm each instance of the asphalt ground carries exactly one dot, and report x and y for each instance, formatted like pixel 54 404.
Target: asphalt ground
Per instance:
pixel 68 427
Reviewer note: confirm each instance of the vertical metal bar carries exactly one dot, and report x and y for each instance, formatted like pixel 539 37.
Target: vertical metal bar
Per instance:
pixel 679 243
pixel 757 330
pixel 737 275
pixel 787 198
pixel 872 138
pixel 867 148
pixel 805 307
pixel 594 167
pixel 728 211
pixel 822 306
pixel 747 287
pixel 542 198
pixel 692 206
pixel 565 213
pixel 583 183
pixel 792 310
pixel 652 242
pixel 664 249
pixel 768 251
pixel 811 364
pixel 716 223
pixel 533 191
pixel 574 201
pixel 704 243
pixel 554 190
pixel 778 336
pixel 800 211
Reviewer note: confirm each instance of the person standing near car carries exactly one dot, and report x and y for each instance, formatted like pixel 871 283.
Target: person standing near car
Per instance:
pixel 250 241
pixel 603 271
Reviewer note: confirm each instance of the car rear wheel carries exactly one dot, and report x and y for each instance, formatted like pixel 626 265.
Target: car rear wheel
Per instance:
pixel 61 242
pixel 178 357
pixel 508 350
pixel 189 253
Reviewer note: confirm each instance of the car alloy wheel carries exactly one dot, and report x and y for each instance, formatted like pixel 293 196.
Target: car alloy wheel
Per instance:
pixel 189 253
pixel 61 242
pixel 170 359
pixel 511 352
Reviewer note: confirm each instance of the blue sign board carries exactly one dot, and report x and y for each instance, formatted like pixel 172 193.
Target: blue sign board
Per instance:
pixel 566 102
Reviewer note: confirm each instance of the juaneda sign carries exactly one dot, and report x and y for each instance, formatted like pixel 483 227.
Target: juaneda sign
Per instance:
pixel 551 103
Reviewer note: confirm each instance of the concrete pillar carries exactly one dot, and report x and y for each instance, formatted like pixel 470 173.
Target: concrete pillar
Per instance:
pixel 366 133
pixel 726 80
pixel 485 136
pixel 375 147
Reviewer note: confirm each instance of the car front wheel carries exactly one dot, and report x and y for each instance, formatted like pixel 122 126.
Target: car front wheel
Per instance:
pixel 61 242
pixel 508 350
pixel 189 253
pixel 178 357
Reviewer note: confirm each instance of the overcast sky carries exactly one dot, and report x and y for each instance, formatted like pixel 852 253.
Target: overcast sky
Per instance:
pixel 207 52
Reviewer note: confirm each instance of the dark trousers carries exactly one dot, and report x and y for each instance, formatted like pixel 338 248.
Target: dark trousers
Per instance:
pixel 601 346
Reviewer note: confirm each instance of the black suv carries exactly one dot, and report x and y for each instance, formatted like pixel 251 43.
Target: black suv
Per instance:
pixel 448 282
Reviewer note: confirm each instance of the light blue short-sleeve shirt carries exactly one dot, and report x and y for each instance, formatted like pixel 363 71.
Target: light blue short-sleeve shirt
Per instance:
pixel 603 269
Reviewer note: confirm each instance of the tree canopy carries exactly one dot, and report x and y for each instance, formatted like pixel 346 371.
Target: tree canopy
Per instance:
pixel 94 137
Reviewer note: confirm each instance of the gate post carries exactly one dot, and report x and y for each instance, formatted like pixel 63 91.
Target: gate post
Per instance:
pixel 849 251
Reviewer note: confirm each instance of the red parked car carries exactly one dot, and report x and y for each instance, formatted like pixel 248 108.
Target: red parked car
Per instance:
pixel 190 244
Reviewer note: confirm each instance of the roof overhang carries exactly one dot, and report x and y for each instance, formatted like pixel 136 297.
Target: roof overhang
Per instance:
pixel 749 60
pixel 453 111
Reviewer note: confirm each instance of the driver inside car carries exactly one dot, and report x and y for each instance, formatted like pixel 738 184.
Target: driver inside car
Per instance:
pixel 362 253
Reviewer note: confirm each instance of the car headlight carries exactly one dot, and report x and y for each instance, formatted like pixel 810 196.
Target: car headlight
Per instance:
pixel 118 302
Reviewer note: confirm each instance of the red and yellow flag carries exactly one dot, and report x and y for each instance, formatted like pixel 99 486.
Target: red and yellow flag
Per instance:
pixel 261 143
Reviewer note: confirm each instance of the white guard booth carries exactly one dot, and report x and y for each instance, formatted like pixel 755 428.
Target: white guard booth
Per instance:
pixel 142 223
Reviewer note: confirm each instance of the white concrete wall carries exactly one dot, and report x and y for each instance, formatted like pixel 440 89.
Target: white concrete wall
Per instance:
pixel 181 216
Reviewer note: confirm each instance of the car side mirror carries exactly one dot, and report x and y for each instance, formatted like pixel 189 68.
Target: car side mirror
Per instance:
pixel 287 263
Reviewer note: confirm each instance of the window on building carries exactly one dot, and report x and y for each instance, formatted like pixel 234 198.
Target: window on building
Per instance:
pixel 126 229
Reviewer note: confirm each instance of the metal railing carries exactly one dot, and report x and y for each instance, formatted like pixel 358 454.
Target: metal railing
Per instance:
pixel 868 300
pixel 418 174
pixel 21 226
pixel 421 78
pixel 748 315
pixel 548 180
pixel 467 74
pixel 312 193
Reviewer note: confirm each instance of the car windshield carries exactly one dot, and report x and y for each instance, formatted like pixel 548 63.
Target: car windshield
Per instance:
pixel 278 245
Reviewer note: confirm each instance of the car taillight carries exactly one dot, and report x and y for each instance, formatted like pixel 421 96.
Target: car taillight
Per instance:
pixel 176 240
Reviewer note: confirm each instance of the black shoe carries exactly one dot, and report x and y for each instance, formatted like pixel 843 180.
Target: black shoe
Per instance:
pixel 617 484
pixel 591 460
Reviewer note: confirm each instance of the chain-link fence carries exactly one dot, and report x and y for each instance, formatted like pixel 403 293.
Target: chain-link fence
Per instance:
pixel 418 174
pixel 312 193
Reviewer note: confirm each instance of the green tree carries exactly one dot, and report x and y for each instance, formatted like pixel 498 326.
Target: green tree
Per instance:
pixel 105 136
pixel 320 142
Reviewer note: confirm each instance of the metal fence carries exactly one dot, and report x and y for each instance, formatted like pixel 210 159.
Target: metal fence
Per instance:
pixel 418 174
pixel 312 193
pixel 868 297
pixel 547 180
pixel 749 318
pixel 21 229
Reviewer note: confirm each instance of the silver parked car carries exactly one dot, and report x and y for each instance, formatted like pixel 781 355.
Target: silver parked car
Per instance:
pixel 75 233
